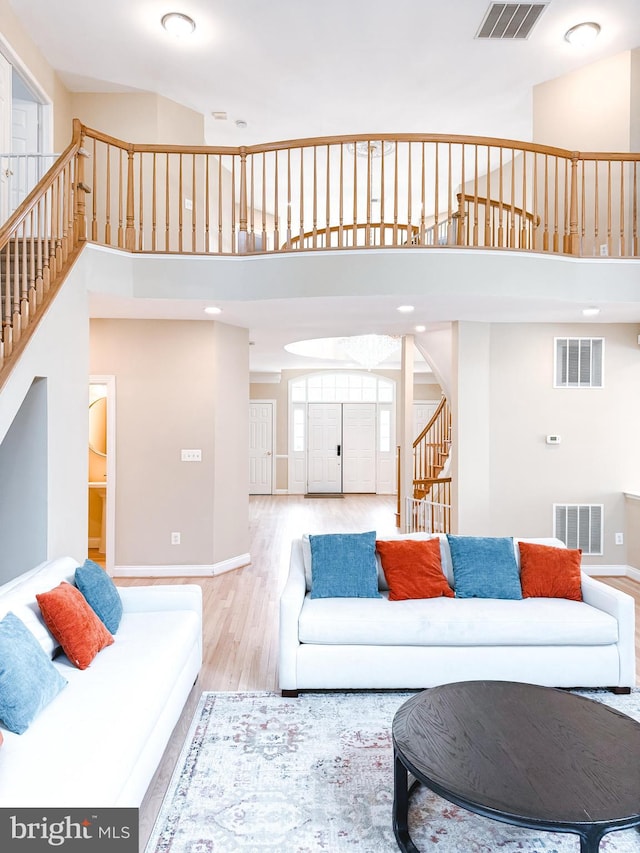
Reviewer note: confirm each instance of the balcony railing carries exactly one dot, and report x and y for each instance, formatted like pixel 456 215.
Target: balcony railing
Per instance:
pixel 408 191
pixel 397 191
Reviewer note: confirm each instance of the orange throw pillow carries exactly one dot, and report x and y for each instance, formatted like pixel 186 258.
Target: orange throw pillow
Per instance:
pixel 73 623
pixel 413 569
pixel 548 572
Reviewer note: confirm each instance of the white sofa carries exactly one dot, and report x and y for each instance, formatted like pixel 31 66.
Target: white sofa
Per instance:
pixel 100 740
pixel 374 643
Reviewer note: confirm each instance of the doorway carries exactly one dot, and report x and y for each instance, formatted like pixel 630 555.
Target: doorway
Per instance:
pixel 261 456
pixel 26 132
pixel 341 454
pixel 341 433
pixel 102 471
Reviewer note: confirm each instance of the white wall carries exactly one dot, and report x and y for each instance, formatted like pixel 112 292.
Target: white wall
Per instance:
pixel 506 407
pixel 59 353
pixel 179 384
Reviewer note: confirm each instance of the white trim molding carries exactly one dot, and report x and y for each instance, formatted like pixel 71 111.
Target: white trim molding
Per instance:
pixel 205 571
pixel 612 571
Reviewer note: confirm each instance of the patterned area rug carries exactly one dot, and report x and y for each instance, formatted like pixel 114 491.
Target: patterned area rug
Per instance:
pixel 263 774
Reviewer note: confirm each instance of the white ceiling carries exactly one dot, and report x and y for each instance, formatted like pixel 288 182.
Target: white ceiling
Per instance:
pixel 299 69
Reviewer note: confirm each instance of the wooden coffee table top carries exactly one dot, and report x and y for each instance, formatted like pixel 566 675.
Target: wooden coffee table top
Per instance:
pixel 529 754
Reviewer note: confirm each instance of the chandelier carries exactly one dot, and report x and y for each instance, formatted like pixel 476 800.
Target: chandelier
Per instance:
pixel 369 350
pixel 371 147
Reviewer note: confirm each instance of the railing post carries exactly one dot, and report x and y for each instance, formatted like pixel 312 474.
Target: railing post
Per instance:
pixel 574 239
pixel 130 231
pixel 242 230
pixel 80 218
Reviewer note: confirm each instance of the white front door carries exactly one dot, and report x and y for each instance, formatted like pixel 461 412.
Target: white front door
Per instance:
pixel 260 448
pixel 5 135
pixel 359 447
pixel 324 448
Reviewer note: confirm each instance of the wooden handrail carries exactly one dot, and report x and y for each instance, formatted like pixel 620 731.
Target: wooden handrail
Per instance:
pixel 38 244
pixel 481 201
pixel 290 195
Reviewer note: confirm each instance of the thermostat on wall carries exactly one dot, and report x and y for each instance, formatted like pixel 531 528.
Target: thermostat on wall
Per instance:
pixel 553 439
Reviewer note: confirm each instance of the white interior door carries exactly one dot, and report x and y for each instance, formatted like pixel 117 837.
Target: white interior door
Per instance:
pixel 260 448
pixel 24 140
pixel 5 134
pixel 359 447
pixel 324 448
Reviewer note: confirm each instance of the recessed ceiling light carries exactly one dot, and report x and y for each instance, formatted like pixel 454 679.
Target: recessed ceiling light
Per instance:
pixel 591 311
pixel 178 24
pixel 583 35
pixel 421 328
pixel 405 309
pixel 219 115
pixel 212 309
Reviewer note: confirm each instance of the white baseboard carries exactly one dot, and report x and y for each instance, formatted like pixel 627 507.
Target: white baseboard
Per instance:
pixel 206 571
pixel 613 571
pixel 94 541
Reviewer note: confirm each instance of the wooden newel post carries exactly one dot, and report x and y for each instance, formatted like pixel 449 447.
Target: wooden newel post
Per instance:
pixel 242 233
pixel 130 231
pixel 81 188
pixel 574 240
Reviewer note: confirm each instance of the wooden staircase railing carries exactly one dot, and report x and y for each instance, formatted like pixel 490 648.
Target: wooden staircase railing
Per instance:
pixel 431 449
pixel 430 453
pixel 38 245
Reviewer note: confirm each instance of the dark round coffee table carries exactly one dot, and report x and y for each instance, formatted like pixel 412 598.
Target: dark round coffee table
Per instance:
pixel 530 756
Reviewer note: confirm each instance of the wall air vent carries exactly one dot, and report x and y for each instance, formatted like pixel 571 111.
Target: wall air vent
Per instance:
pixel 579 363
pixel 579 526
pixel 510 20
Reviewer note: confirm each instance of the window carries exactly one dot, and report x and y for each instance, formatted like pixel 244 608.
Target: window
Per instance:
pixel 384 431
pixel 342 388
pixel 298 429
pixel 579 363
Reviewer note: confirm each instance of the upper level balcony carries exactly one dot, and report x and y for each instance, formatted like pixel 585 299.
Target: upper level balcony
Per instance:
pixel 404 192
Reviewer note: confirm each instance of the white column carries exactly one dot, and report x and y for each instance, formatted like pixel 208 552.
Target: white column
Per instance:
pixel 405 425
pixel 471 411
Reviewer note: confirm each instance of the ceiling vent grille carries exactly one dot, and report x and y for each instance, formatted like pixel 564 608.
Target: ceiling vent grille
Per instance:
pixel 510 20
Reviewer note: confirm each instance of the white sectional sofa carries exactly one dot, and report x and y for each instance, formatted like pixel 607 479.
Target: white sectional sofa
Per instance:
pixel 374 643
pixel 99 741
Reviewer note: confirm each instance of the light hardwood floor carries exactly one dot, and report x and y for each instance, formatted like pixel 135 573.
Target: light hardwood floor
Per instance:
pixel 240 630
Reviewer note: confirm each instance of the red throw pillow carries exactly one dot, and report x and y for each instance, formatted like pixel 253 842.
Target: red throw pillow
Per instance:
pixel 413 569
pixel 548 572
pixel 73 623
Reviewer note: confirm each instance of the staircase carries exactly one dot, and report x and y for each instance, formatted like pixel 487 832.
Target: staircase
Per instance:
pixel 428 508
pixel 38 245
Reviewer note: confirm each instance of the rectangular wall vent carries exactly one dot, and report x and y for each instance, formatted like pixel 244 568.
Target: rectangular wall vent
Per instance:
pixel 579 526
pixel 579 363
pixel 510 20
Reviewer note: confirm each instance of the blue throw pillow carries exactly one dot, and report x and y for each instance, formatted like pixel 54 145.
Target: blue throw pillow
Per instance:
pixel 28 679
pixel 343 565
pixel 484 567
pixel 101 593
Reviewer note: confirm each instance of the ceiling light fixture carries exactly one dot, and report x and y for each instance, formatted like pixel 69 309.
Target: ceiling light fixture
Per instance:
pixel 405 309
pixel 583 35
pixel 421 328
pixel 591 311
pixel 212 309
pixel 369 350
pixel 177 24
pixel 371 147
